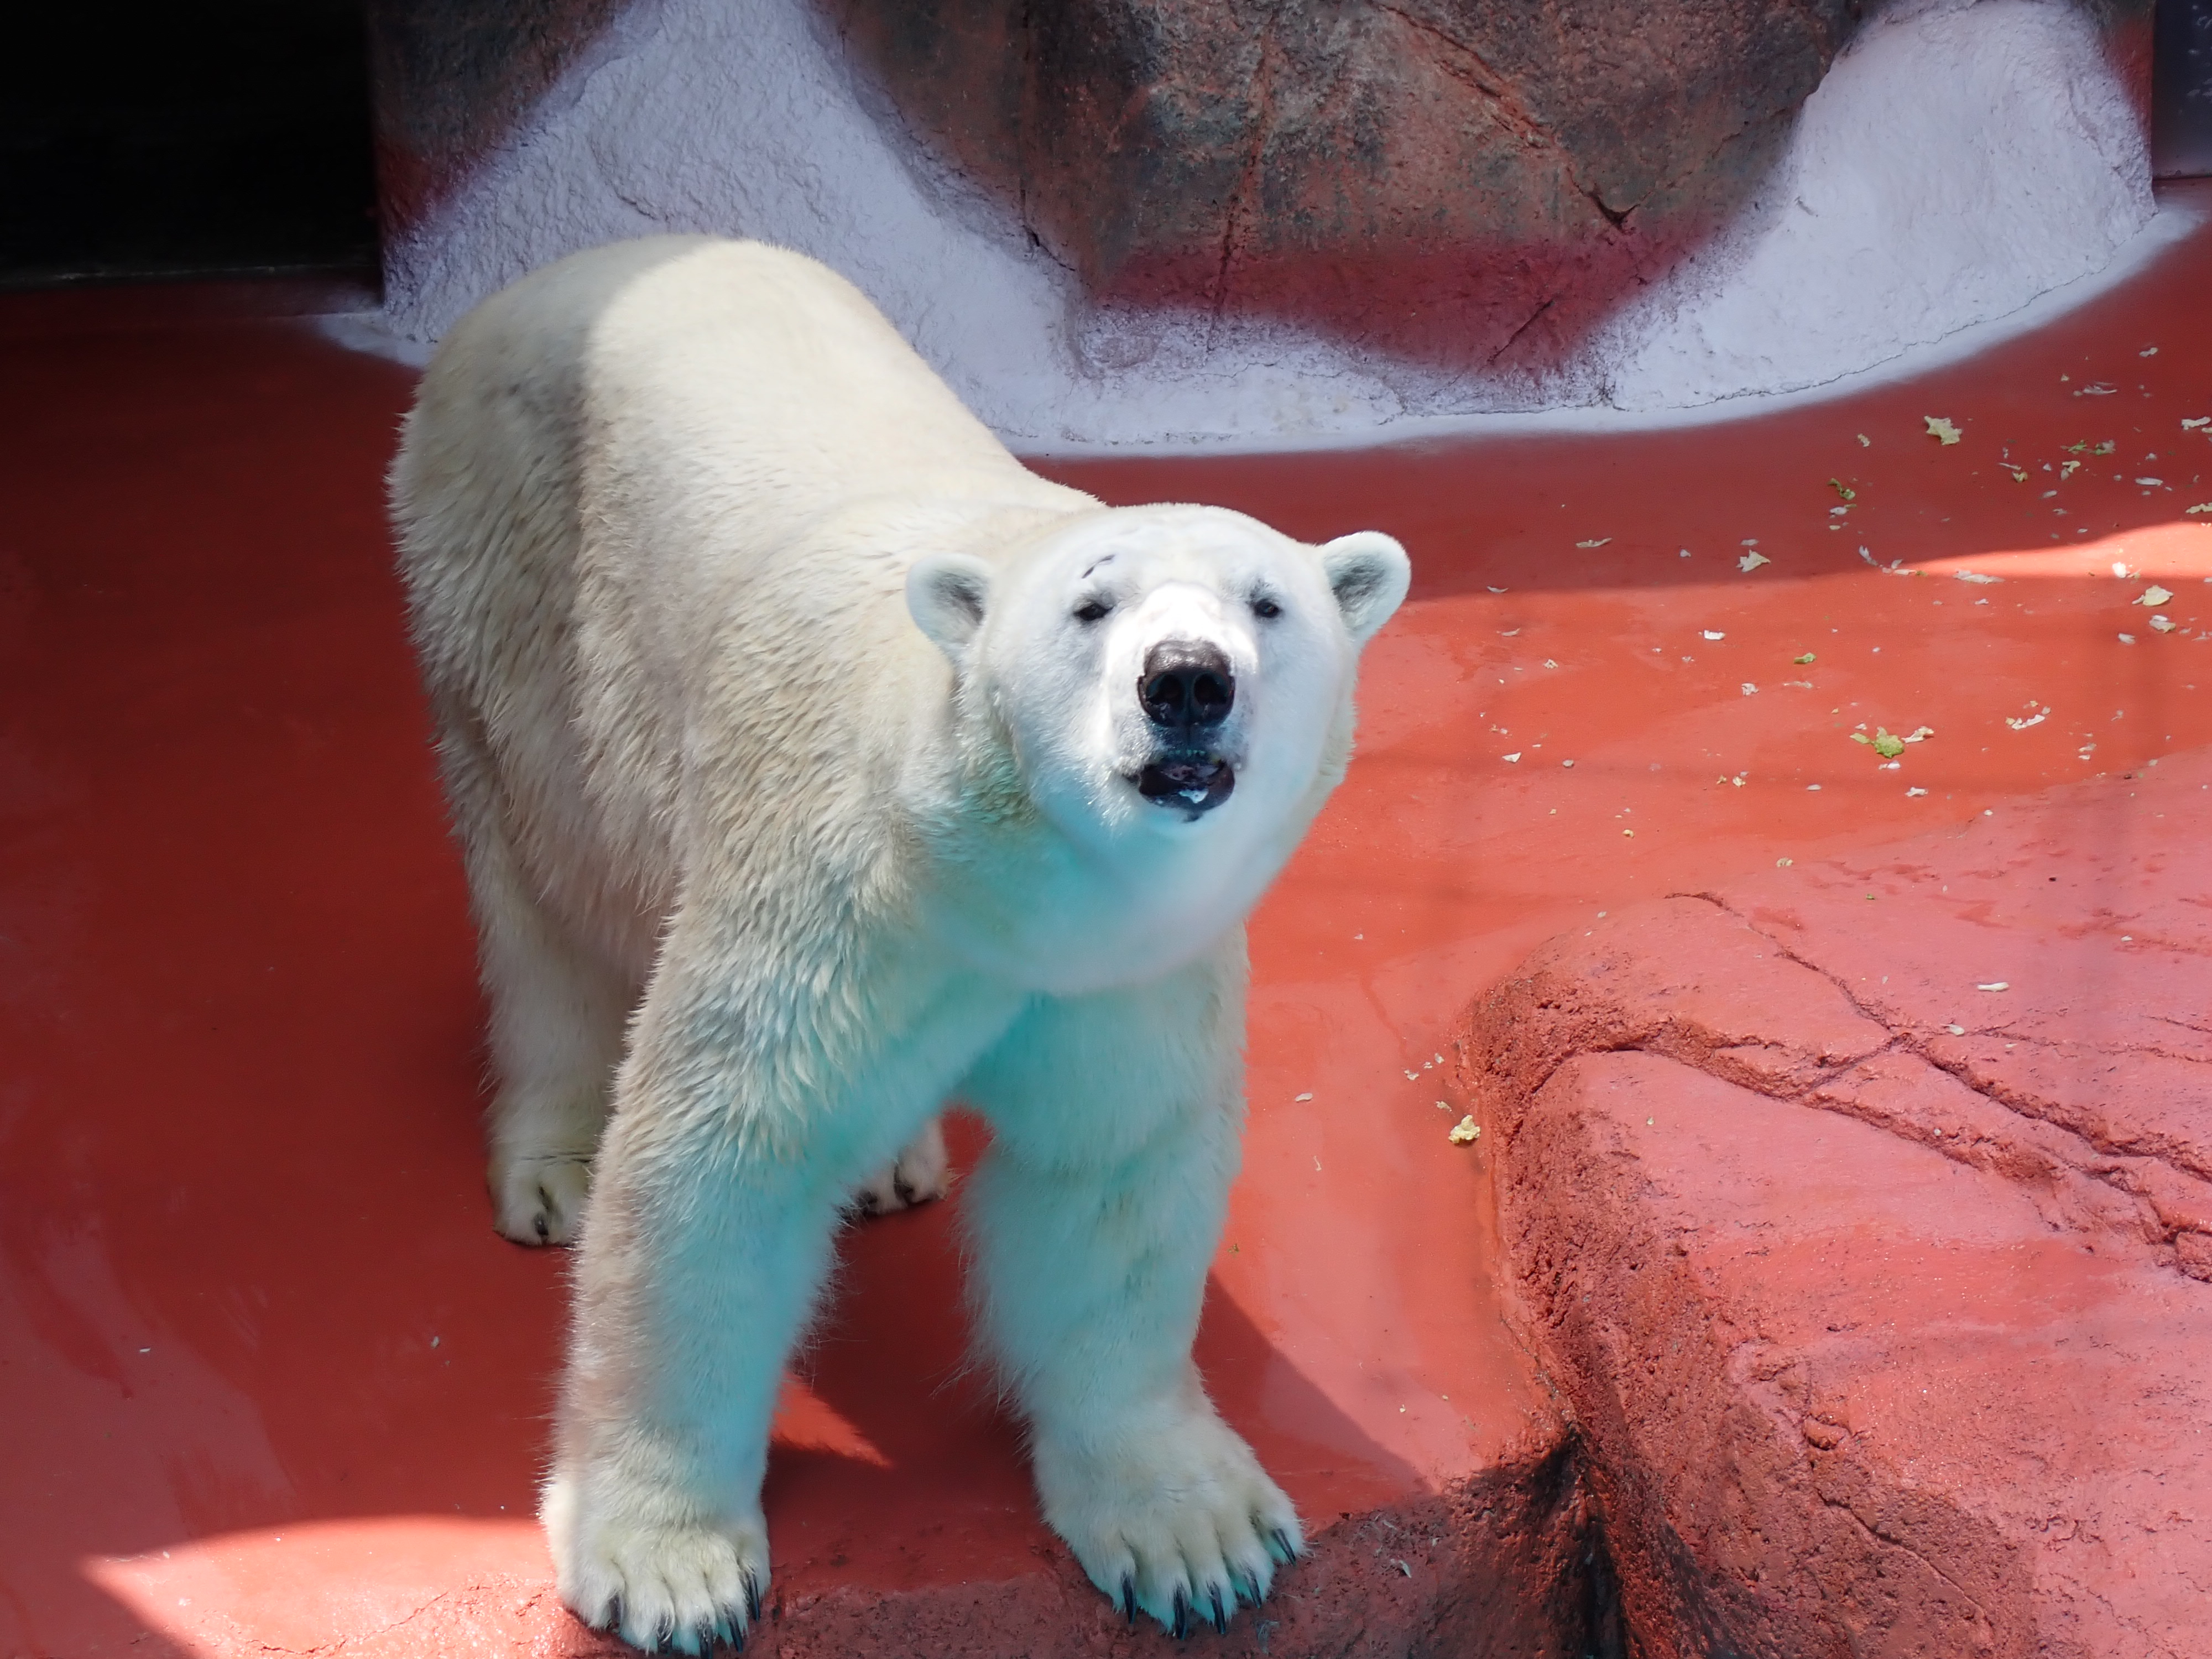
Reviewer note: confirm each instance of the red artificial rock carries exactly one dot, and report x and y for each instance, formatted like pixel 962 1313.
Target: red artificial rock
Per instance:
pixel 1861 1212
pixel 1437 179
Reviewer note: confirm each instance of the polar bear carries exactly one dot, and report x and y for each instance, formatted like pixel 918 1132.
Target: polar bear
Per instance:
pixel 814 763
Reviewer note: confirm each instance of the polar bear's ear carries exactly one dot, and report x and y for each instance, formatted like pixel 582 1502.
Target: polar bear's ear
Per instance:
pixel 1369 573
pixel 944 594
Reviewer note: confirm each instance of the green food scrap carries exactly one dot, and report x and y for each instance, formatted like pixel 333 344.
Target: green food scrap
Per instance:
pixel 2153 595
pixel 1887 745
pixel 1941 429
pixel 1807 657
pixel 1844 489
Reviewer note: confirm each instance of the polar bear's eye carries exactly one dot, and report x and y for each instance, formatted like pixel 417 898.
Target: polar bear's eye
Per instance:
pixel 1266 609
pixel 1091 611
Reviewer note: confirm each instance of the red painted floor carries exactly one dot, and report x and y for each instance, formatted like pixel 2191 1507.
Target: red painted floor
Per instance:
pixel 268 1379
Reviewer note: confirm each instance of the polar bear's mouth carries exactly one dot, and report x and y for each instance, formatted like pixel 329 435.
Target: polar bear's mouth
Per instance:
pixel 1195 784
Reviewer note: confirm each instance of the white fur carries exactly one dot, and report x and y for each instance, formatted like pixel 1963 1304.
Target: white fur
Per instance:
pixel 771 730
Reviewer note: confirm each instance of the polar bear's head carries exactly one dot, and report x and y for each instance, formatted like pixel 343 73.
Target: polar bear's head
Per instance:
pixel 1175 671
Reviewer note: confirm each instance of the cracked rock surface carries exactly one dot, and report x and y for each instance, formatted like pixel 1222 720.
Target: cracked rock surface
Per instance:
pixel 1437 179
pixel 1861 1212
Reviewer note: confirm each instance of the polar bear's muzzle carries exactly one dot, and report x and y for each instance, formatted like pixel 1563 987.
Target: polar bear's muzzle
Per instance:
pixel 1186 690
pixel 1195 784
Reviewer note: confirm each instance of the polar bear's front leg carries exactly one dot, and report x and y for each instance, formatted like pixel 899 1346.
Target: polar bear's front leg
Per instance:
pixel 713 1205
pixel 694 1278
pixel 1095 1217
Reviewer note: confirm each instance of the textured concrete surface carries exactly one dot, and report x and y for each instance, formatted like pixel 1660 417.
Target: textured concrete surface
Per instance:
pixel 269 1383
pixel 453 80
pixel 1861 1212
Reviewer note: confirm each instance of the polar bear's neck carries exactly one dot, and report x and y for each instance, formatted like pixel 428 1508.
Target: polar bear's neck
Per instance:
pixel 1010 894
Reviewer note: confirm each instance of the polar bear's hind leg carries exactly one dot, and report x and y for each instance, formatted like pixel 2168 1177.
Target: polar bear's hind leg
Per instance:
pixel 557 1015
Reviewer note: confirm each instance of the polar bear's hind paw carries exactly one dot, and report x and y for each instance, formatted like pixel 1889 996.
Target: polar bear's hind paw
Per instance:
pixel 540 1199
pixel 922 1172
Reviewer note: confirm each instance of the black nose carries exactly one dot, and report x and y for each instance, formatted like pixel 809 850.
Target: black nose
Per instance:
pixel 1187 684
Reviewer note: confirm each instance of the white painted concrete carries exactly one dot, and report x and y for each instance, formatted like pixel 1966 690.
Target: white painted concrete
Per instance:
pixel 1962 159
pixel 1956 163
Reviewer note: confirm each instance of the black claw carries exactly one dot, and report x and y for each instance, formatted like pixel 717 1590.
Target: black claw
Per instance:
pixel 1182 1614
pixel 1129 1600
pixel 614 1615
pixel 903 1188
pixel 663 1632
pixel 544 1233
pixel 1283 1543
pixel 1220 1619
pixel 752 1603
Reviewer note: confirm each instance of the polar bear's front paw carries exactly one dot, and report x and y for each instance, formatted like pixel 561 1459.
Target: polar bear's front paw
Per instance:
pixel 1182 1524
pixel 664 1589
pixel 538 1198
pixel 921 1172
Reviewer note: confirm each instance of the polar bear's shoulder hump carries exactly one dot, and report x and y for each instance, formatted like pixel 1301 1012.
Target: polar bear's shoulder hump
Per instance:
pixel 707 339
